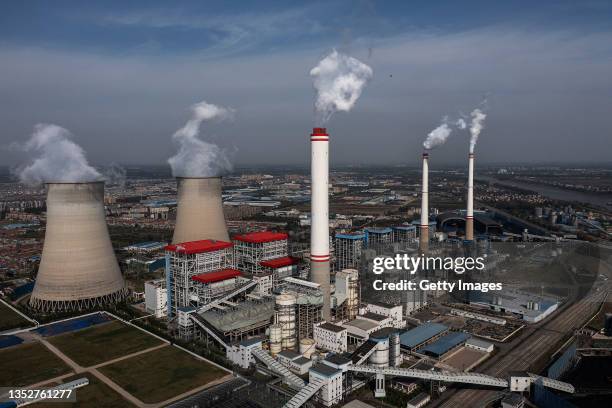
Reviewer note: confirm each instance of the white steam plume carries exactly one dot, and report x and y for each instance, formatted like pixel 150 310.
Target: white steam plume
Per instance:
pixel 115 174
pixel 195 157
pixel 461 124
pixel 57 158
pixel 339 80
pixel 438 136
pixel 476 126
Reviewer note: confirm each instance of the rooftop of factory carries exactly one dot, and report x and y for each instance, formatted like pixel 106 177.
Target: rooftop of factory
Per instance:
pixel 337 359
pixel 146 245
pixel 216 276
pixel 244 314
pixel 515 301
pixel 385 230
pixel 301 360
pixel 280 262
pixel 196 247
pixel 362 324
pixel 405 227
pixel 261 237
pixel 354 236
pixel 421 334
pixel 325 370
pixel 383 333
pixel 445 344
pixel 331 327
pixel 250 342
pixel 478 342
pixel 374 316
pixel 289 354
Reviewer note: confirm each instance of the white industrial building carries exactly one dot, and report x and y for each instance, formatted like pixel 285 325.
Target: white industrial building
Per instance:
pixel 156 297
pixel 479 345
pixel 331 391
pixel 330 337
pixel 394 312
pixel 241 353
pixel 295 362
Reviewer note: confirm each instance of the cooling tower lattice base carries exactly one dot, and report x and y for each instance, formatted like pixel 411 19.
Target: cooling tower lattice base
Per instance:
pixel 78 268
pixel 58 306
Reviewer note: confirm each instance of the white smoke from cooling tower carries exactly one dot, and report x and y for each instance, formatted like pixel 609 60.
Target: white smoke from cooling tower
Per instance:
pixel 476 126
pixel 195 157
pixel 339 80
pixel 57 159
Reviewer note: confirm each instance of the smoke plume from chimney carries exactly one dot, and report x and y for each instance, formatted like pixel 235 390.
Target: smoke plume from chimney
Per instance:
pixel 437 136
pixel 476 126
pixel 57 158
pixel 195 157
pixel 339 80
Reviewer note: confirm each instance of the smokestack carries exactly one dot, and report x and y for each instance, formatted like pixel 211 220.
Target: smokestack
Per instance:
pixel 319 213
pixel 469 219
pixel 199 214
pixel 424 233
pixel 78 269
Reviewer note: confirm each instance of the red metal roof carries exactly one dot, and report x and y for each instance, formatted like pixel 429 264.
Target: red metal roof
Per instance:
pixel 261 237
pixel 196 247
pixel 279 262
pixel 216 276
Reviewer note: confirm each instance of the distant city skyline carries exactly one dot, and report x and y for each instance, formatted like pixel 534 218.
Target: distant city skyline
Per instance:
pixel 122 77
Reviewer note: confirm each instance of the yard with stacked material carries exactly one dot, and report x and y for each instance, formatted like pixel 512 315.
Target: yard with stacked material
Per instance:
pixel 96 394
pixel 9 319
pixel 103 342
pixel 161 374
pixel 28 364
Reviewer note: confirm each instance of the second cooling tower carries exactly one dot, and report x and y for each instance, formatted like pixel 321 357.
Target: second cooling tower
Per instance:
pixel 78 269
pixel 199 213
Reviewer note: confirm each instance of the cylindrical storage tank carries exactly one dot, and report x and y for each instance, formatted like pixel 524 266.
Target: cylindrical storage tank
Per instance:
pixel 285 317
pixel 275 339
pixel 78 269
pixel 395 357
pixel 307 347
pixel 199 212
pixel 380 356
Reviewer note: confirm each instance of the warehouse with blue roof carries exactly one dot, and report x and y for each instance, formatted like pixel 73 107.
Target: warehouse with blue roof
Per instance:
pixel 422 335
pixel 445 344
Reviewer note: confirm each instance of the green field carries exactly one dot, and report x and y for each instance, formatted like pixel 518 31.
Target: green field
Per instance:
pixel 161 374
pixel 11 320
pixel 103 342
pixel 28 364
pixel 96 394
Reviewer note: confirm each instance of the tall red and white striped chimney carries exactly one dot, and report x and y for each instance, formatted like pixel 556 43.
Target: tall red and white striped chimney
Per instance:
pixel 469 219
pixel 319 213
pixel 424 232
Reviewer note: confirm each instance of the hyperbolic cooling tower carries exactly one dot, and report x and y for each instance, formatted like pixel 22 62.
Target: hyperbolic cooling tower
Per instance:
pixel 319 213
pixel 424 232
pixel 199 214
pixel 78 269
pixel 469 219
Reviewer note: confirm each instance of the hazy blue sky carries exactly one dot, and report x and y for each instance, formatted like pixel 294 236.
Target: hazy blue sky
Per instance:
pixel 122 75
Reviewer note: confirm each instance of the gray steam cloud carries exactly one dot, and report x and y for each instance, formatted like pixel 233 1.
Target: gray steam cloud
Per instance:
pixel 115 174
pixel 195 157
pixel 476 126
pixel 339 80
pixel 57 158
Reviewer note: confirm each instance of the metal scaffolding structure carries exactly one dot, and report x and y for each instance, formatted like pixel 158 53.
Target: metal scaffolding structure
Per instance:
pixel 348 249
pixel 253 248
pixel 404 233
pixel 308 304
pixel 377 237
pixel 190 259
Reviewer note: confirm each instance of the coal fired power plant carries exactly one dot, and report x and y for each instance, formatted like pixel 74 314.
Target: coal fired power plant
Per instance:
pixel 469 219
pixel 319 234
pixel 78 269
pixel 199 213
pixel 424 227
